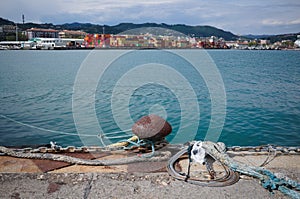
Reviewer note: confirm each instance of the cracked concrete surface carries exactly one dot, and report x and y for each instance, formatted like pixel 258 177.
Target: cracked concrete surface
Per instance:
pixel 88 187
pixel 26 178
pixel 120 185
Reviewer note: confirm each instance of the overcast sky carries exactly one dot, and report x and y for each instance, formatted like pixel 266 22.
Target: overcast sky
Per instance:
pixel 236 16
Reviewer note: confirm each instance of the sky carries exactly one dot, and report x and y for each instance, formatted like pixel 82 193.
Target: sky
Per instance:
pixel 237 16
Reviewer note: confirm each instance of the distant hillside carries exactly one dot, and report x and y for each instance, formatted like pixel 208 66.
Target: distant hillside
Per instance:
pixel 5 22
pixel 274 38
pixel 292 36
pixel 197 31
pixel 256 36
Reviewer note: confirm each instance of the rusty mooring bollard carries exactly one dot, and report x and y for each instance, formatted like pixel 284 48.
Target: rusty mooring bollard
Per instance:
pixel 151 127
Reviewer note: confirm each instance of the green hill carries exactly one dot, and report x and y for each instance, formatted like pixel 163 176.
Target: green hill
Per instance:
pixel 197 31
pixel 5 22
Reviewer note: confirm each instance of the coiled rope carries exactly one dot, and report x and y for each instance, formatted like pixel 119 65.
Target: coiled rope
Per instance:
pixel 268 179
pixel 229 178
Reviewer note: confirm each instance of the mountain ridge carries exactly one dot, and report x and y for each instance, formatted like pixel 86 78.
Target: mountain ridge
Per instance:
pixel 197 31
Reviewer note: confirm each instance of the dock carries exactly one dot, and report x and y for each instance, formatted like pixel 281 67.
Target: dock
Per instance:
pixel 33 178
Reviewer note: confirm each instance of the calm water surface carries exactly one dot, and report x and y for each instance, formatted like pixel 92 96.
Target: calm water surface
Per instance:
pixel 262 94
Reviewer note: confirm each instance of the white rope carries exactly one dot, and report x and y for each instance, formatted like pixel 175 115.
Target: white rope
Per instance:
pixel 59 132
pixel 118 137
pixel 116 132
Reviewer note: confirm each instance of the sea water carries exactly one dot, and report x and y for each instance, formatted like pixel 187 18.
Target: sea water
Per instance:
pixel 261 96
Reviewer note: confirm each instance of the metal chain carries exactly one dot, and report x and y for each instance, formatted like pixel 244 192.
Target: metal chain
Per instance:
pixel 242 150
pixel 265 149
pixel 83 149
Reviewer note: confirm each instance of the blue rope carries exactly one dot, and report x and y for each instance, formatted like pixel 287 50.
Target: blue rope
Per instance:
pixel 289 192
pixel 141 143
pixel 272 183
pixel 152 149
pixel 268 179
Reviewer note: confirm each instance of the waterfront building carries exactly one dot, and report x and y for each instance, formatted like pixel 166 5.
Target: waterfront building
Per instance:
pixel 183 43
pixel 242 44
pixel 9 45
pixel 232 44
pixel 55 43
pixel 7 30
pixel 297 42
pixel 117 41
pixel 97 40
pixel 72 34
pixel 264 42
pixel 41 33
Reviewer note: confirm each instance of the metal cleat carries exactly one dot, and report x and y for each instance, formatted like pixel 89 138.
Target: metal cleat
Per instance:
pixel 42 149
pixel 27 150
pixel 285 150
pixel 71 149
pixel 292 149
pixel 236 148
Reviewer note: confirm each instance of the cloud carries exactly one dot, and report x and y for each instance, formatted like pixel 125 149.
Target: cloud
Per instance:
pixel 246 16
pixel 274 22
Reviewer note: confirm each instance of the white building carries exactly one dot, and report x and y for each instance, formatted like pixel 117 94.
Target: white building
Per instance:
pixel 55 43
pixel 297 42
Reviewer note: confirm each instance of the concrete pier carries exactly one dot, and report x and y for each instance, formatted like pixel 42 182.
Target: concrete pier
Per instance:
pixel 28 178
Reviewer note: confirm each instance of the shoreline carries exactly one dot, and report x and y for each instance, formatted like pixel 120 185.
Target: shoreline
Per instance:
pixel 148 48
pixel 62 49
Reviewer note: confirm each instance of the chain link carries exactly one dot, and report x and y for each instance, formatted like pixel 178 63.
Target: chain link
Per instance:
pixel 83 149
pixel 251 150
pixel 283 150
